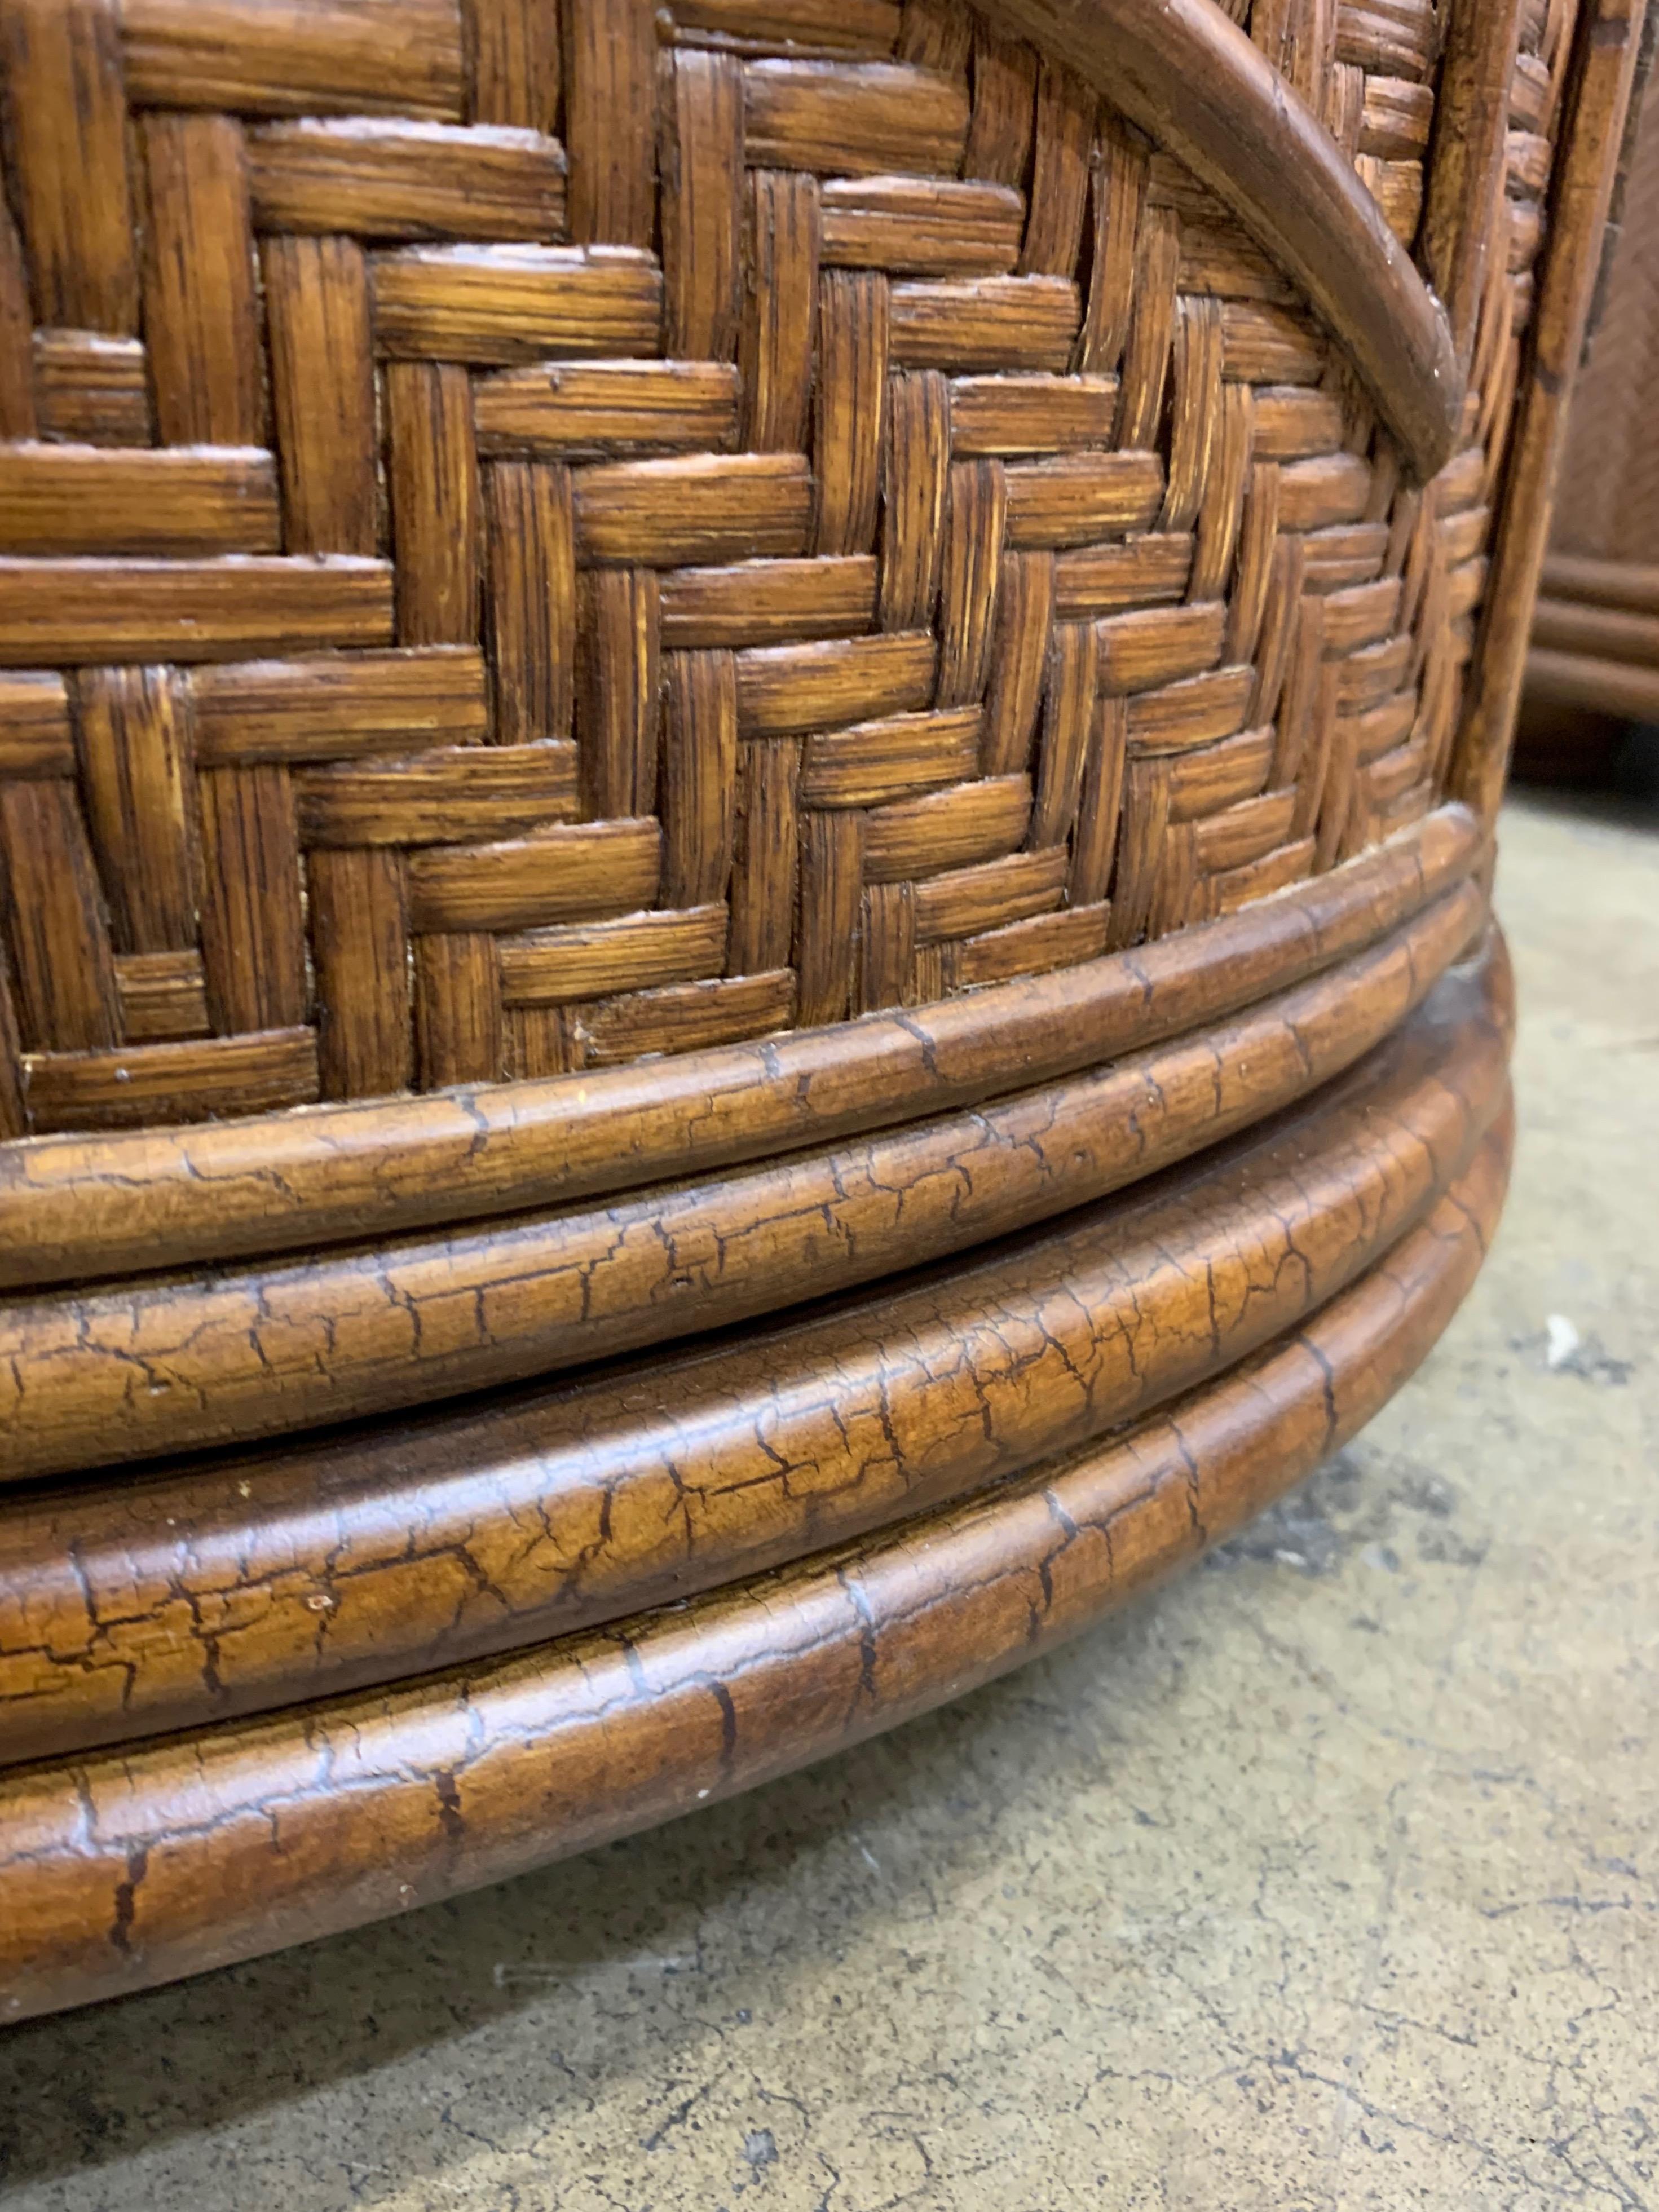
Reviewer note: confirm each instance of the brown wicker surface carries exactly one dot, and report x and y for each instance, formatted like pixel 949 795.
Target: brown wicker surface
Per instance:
pixel 531 544
pixel 1606 508
pixel 538 536
pixel 1595 660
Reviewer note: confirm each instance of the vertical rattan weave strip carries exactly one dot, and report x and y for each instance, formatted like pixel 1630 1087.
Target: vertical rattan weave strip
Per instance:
pixel 530 542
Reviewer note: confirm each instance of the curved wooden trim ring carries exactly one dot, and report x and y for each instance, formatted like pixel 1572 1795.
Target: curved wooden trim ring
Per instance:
pixel 129 1868
pixel 80 1208
pixel 1599 686
pixel 159 1603
pixel 136 1368
pixel 1628 587
pixel 1184 71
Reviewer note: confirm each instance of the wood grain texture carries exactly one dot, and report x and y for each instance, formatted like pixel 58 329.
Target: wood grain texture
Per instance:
pixel 406 181
pixel 1607 47
pixel 322 373
pixel 543 551
pixel 1185 73
pixel 238 1355
pixel 332 56
pixel 59 941
pixel 67 117
pixel 798 669
pixel 409 1540
pixel 84 500
pixel 84 613
pixel 133 738
pixel 1469 157
pixel 201 305
pixel 372 1171
pixel 560 341
pixel 126 1868
pixel 139 1084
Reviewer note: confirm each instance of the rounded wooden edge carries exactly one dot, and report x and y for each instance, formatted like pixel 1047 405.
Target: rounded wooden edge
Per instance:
pixel 147 1604
pixel 1183 70
pixel 1607 42
pixel 129 1371
pixel 123 1870
pixel 138 1201
pixel 1602 685
pixel 1467 155
pixel 1630 586
pixel 1598 630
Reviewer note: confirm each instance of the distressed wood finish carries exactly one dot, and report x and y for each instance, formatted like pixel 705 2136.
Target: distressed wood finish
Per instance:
pixel 131 1868
pixel 409 1542
pixel 691 683
pixel 137 1370
pixel 89 1206
pixel 890 519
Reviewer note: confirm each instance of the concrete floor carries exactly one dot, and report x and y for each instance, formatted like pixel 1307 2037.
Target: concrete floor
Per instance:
pixel 1329 1877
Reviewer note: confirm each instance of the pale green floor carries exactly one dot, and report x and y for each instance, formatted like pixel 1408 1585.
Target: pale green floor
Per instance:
pixel 1329 1877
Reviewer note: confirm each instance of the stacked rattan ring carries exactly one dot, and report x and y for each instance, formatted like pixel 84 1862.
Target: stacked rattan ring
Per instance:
pixel 839 667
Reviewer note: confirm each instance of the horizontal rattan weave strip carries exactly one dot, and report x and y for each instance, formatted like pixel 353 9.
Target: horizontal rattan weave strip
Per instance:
pixel 88 1376
pixel 138 1201
pixel 531 538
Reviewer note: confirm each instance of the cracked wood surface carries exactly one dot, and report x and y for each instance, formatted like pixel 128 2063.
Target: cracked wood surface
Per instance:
pixel 100 1206
pixel 130 1865
pixel 124 1869
pixel 97 1376
pixel 146 1603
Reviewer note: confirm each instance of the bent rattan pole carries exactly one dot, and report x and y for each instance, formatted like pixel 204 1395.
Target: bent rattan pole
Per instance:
pixel 1184 71
pixel 155 1602
pixel 133 1868
pixel 97 1205
pixel 136 1368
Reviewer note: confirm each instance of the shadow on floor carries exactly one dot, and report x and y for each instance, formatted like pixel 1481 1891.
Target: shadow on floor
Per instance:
pixel 84 2088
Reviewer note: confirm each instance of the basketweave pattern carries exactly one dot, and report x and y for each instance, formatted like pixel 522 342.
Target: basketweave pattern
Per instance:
pixel 530 541
pixel 1607 501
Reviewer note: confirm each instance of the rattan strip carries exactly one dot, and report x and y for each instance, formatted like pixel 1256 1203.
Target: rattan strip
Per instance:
pixel 563 545
pixel 1608 504
pixel 559 1747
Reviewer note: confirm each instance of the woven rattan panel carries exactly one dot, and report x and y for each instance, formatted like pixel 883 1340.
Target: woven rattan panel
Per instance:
pixel 530 543
pixel 1607 505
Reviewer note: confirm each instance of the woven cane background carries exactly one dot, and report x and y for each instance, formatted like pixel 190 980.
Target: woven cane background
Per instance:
pixel 1607 503
pixel 532 539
